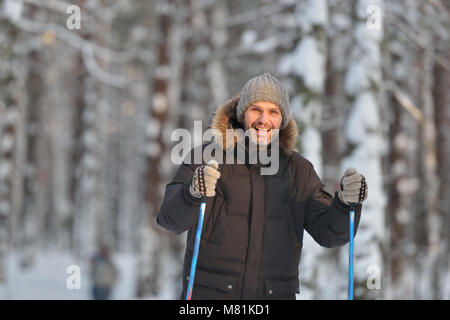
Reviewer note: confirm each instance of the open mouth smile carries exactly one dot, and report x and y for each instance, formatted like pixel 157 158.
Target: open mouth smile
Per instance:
pixel 268 130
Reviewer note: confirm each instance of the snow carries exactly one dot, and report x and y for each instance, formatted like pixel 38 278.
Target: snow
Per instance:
pixel 248 38
pixel 307 62
pixel 46 279
pixel 7 142
pixel 126 286
pixel 312 148
pixel 13 9
pixel 162 72
pixel 356 79
pixel 366 58
pixel 153 149
pixel 312 13
pixel 160 103
pixel 89 162
pixel 5 169
pixel 296 105
pixel 340 22
pixel 408 186
pixel 153 128
pixel 90 139
pixel 4 206
pixel 266 45
pixel 307 269
pixel 364 117
pixel 367 8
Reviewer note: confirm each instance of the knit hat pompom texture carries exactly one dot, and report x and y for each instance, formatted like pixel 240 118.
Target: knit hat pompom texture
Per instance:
pixel 264 87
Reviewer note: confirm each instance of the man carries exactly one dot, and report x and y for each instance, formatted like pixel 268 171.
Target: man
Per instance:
pixel 103 274
pixel 253 227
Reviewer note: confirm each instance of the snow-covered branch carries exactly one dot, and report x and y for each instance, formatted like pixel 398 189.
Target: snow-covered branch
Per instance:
pixel 89 50
pixel 12 11
pixel 100 74
pixel 55 5
pixel 408 30
pixel 261 46
pixel 408 105
pixel 105 14
pixel 260 12
pixel 442 9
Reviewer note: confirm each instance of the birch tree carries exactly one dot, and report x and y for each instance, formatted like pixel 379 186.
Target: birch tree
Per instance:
pixel 154 241
pixel 9 117
pixel 307 66
pixel 364 136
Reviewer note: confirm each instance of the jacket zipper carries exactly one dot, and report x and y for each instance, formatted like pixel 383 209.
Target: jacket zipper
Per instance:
pixel 249 221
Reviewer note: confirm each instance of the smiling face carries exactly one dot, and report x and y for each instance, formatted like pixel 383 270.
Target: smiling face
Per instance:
pixel 262 118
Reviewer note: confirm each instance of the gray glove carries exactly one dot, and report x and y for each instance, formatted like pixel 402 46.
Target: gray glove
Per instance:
pixel 353 187
pixel 204 180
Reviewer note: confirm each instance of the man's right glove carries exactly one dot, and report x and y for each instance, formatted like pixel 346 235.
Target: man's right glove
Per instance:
pixel 204 180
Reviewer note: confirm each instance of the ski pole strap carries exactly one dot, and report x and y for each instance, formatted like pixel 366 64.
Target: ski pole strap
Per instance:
pixel 201 183
pixel 362 191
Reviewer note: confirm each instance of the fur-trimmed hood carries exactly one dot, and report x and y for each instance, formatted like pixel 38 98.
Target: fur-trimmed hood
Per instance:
pixel 225 118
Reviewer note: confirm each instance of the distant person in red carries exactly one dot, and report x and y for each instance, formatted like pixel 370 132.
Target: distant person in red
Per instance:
pixel 103 273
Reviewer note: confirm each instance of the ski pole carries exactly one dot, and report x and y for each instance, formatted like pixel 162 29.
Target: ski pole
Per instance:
pixel 350 248
pixel 196 248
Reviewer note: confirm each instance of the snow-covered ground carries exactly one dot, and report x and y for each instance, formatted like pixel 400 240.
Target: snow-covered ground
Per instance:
pixel 47 278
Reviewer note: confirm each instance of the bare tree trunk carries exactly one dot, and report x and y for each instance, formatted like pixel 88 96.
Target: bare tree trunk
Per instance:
pixel 441 100
pixel 400 162
pixel 335 100
pixel 431 229
pixel 333 142
pixel 76 155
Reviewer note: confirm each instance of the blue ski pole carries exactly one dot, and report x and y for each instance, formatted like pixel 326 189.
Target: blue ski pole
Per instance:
pixel 350 248
pixel 196 248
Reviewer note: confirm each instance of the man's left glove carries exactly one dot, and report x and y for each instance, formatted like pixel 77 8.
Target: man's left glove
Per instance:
pixel 204 180
pixel 353 187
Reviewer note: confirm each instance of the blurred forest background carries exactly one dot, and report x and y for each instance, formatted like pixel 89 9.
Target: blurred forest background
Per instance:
pixel 86 117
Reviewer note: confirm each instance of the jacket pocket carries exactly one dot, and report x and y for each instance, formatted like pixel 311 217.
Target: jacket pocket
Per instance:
pixel 281 289
pixel 212 286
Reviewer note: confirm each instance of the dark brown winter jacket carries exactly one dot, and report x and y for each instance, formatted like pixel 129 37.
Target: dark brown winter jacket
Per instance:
pixel 253 228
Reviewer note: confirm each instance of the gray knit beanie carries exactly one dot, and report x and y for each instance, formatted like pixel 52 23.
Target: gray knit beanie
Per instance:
pixel 264 87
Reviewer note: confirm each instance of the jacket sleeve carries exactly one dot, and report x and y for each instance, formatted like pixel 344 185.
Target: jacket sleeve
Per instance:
pixel 179 210
pixel 327 218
